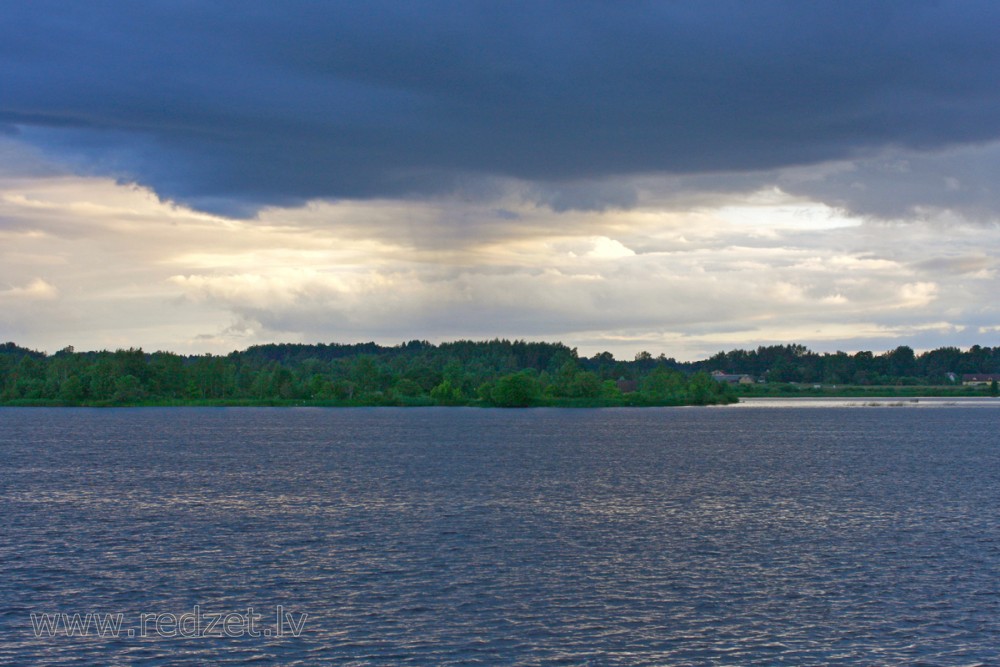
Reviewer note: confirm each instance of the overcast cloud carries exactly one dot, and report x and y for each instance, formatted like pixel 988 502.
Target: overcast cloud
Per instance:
pixel 228 106
pixel 678 177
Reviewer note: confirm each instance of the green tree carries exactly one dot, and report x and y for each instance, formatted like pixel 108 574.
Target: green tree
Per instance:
pixel 407 387
pixel 517 390
pixel 610 391
pixel 662 384
pixel 901 362
pixel 72 390
pixel 701 388
pixel 585 385
pixel 365 374
pixel 128 389
pixel 446 394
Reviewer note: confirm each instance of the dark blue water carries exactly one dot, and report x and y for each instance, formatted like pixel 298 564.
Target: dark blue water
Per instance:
pixel 723 536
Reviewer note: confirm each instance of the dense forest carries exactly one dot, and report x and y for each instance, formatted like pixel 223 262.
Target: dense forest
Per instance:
pixel 491 373
pixel 494 373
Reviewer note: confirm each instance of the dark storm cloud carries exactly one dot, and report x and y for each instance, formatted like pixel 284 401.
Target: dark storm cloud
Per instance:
pixel 232 106
pixel 908 184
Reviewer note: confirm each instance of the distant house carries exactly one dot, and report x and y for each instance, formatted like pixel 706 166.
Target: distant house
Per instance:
pixel 731 378
pixel 627 386
pixel 980 378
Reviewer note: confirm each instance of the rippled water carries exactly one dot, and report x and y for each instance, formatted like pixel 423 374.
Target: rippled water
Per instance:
pixel 719 536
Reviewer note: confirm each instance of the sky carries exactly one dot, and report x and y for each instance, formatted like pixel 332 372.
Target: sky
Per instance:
pixel 672 177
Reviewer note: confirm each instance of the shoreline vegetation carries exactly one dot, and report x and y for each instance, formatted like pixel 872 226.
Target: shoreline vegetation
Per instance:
pixel 496 373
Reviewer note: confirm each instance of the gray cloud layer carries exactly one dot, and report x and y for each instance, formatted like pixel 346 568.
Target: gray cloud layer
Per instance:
pixel 230 106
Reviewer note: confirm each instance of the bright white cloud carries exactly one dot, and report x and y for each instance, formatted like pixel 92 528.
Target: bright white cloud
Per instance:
pixel 95 264
pixel 605 248
pixel 914 295
pixel 37 289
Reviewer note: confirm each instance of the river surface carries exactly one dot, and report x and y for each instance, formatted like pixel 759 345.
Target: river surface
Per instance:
pixel 759 534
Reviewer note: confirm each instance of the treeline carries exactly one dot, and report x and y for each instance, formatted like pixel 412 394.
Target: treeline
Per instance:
pixel 493 373
pixel 901 366
pixel 497 372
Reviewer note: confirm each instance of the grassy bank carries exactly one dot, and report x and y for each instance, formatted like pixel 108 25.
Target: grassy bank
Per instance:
pixel 775 390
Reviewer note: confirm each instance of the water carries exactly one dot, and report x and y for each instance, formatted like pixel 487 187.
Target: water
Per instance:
pixel 688 536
